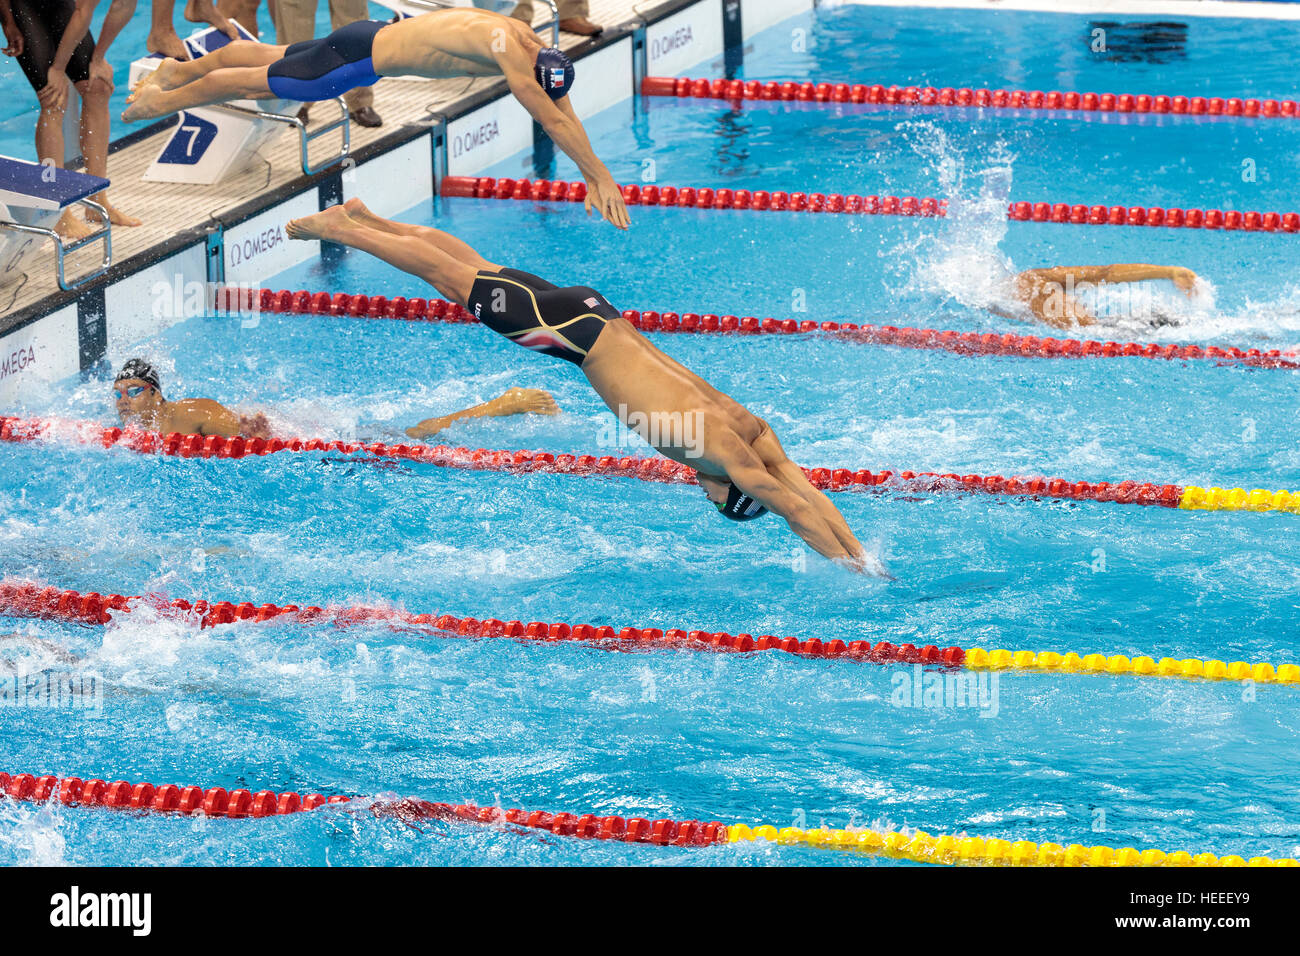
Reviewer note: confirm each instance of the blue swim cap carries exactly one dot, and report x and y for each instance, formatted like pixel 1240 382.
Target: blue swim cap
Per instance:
pixel 554 71
pixel 739 506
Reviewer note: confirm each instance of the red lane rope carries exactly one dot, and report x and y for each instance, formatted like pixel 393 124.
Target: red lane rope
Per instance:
pixel 234 804
pixel 807 92
pixel 646 469
pixel 24 599
pixel 759 200
pixel 360 305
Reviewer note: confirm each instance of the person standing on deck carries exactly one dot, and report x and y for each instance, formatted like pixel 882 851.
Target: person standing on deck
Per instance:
pixel 573 16
pixel 52 42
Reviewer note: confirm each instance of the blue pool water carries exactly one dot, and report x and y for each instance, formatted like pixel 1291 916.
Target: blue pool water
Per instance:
pixel 756 738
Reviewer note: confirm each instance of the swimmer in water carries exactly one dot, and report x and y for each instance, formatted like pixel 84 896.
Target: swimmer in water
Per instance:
pixel 739 461
pixel 455 42
pixel 1053 295
pixel 140 402
pixel 138 392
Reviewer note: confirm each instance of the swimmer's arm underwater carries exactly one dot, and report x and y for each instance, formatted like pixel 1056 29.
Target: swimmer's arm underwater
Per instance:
pixel 513 401
pixel 562 125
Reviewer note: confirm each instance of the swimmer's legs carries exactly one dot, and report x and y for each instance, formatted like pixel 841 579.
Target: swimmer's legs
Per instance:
pixel 449 275
pixel 456 248
pixel 173 73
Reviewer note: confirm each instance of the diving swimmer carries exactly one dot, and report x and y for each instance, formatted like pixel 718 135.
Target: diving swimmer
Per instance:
pixel 739 461
pixel 446 43
pixel 1054 295
pixel 138 394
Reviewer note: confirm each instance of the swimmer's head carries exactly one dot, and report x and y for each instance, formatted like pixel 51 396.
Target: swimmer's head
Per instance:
pixel 554 71
pixel 137 389
pixel 731 502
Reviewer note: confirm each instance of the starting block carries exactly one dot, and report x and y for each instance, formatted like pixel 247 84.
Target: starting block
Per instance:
pixel 212 142
pixel 32 198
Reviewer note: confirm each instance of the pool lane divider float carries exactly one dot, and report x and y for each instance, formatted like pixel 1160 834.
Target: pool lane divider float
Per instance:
pixel 360 305
pixel 25 599
pixel 760 200
pixel 875 94
pixel 919 846
pixel 1185 497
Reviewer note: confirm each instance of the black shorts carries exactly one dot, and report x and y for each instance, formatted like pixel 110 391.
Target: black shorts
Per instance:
pixel 42 22
pixel 539 316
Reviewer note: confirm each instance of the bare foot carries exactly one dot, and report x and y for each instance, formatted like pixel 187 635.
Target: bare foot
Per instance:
pixel 167 43
pixel 358 211
pixel 71 226
pixel 525 401
pixel 327 224
pixel 145 103
pixel 204 11
pixel 164 76
pixel 115 215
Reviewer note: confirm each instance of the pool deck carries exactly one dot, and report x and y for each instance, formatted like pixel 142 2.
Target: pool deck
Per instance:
pixel 176 211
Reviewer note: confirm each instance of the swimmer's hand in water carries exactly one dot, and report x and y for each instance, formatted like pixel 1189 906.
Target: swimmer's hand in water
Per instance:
pixel 255 425
pixel 604 196
pixel 1185 279
pixel 523 401
pixel 869 564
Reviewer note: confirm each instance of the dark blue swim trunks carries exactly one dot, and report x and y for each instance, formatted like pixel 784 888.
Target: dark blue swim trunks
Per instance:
pixel 325 68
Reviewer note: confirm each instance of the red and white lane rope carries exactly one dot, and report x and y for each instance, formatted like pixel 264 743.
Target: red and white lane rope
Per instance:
pixel 646 469
pixel 761 200
pixel 25 599
pixel 918 846
pixel 807 92
pixel 360 305
pixel 1190 497
pixel 234 804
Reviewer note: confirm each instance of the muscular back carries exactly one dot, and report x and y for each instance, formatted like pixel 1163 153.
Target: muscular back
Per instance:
pixel 634 377
pixel 457 42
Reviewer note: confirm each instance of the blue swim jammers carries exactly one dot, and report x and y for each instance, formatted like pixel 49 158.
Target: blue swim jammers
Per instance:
pixel 326 68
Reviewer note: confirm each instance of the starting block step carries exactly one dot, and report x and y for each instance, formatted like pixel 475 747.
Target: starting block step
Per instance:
pixel 210 143
pixel 32 198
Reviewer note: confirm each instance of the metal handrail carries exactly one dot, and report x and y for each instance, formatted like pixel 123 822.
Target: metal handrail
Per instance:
pixel 104 232
pixel 304 137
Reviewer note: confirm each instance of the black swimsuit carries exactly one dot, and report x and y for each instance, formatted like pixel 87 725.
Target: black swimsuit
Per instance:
pixel 540 316
pixel 42 23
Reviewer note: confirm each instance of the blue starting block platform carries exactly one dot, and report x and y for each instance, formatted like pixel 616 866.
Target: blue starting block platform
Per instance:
pixel 32 198
pixel 213 142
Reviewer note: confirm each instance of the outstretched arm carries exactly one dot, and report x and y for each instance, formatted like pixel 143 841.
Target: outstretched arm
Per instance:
pixel 1117 272
pixel 514 401
pixel 562 125
pixel 747 472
